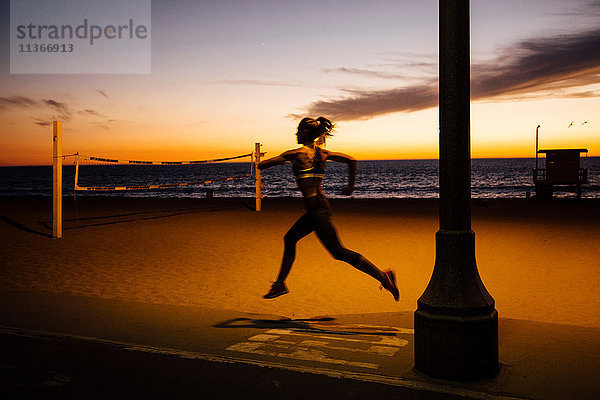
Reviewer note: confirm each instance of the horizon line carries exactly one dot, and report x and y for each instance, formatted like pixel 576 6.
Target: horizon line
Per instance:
pixel 366 159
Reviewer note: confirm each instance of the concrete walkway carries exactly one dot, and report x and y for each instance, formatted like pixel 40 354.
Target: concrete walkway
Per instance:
pixel 76 347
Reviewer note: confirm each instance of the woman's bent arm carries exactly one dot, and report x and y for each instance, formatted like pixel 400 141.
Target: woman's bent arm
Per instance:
pixel 351 162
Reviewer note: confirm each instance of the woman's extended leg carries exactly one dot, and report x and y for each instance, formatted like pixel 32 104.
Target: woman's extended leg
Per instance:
pixel 300 229
pixel 329 237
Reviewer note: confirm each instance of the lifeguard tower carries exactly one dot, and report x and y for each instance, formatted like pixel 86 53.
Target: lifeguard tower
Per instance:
pixel 563 168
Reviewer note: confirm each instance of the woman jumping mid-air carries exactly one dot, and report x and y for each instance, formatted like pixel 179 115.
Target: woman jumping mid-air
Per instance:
pixel 308 165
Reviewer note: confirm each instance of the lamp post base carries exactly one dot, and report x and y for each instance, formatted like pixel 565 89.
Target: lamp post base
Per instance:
pixel 456 348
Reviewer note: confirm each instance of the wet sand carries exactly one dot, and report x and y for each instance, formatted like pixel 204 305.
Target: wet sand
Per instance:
pixel 540 261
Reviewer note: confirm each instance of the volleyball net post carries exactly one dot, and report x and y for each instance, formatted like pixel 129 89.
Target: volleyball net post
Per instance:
pixel 57 156
pixel 257 180
pixel 76 186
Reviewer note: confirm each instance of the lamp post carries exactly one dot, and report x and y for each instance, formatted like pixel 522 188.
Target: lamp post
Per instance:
pixel 536 146
pixel 456 324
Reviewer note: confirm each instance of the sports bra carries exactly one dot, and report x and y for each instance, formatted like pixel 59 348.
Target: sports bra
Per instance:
pixel 315 171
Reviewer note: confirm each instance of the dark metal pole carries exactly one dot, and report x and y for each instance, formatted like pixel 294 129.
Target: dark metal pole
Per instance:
pixel 456 324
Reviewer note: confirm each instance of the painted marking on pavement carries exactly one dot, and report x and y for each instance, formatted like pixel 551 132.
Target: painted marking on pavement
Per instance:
pixel 299 353
pixel 388 341
pixel 271 344
pixel 332 373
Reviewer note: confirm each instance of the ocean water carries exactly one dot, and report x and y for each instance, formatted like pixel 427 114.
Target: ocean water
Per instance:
pixel 490 178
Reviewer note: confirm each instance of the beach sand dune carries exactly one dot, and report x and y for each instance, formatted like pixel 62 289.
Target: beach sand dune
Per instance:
pixel 540 261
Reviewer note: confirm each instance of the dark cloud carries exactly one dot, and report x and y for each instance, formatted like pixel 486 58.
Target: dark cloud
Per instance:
pixel 16 102
pixel 584 94
pixel 369 104
pixel 104 123
pixel 364 72
pixel 425 65
pixel 58 110
pixel 64 114
pixel 103 93
pixel 591 8
pixel 295 116
pixel 542 67
pixel 90 112
pixel 42 123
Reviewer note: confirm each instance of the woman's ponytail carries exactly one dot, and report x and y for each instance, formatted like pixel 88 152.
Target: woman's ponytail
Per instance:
pixel 325 126
pixel 314 128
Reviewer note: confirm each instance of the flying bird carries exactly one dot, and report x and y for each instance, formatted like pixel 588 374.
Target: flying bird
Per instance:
pixel 585 122
pixel 570 124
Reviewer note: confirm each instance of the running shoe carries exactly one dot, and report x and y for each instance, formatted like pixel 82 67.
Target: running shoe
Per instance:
pixel 392 279
pixel 277 289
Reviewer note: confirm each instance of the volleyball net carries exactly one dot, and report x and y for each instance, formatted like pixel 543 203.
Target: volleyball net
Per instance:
pixel 126 175
pixel 129 175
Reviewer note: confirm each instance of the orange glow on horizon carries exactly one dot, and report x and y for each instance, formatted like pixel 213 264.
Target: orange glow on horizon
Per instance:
pixel 499 130
pixel 524 151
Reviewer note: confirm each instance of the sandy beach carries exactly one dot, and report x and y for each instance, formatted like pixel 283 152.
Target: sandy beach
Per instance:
pixel 540 261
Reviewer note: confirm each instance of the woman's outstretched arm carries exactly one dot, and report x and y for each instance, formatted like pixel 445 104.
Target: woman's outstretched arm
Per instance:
pixel 273 161
pixel 351 162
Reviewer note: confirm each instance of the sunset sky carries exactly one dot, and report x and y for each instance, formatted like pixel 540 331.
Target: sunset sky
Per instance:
pixel 227 74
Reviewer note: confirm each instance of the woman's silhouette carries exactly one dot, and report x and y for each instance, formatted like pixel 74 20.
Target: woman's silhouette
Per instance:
pixel 308 165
